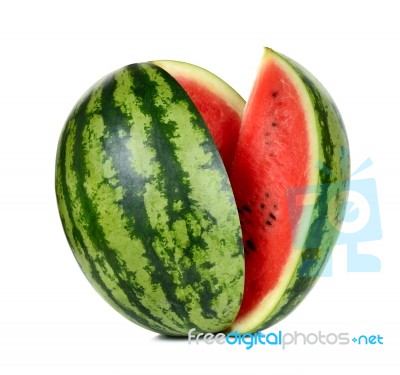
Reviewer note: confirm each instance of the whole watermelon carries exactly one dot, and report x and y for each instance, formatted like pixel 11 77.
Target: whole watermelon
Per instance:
pixel 187 210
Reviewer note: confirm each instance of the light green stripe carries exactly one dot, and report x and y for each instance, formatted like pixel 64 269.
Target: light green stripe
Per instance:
pixel 135 265
pixel 143 159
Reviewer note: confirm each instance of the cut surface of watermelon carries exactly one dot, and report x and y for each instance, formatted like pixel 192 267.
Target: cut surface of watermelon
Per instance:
pixel 273 155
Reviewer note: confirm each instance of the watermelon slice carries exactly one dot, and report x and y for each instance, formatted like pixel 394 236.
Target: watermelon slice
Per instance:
pixel 290 177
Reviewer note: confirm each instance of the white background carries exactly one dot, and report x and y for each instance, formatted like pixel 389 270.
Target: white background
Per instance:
pixel 51 320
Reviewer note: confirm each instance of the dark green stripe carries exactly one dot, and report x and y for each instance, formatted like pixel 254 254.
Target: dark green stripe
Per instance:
pixel 133 201
pixel 177 185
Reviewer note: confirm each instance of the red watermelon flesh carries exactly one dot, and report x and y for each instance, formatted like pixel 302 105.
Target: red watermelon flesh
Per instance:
pixel 272 156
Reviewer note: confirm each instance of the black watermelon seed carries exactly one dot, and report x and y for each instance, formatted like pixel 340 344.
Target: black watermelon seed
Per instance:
pixel 274 94
pixel 272 216
pixel 250 244
pixel 268 223
pixel 247 208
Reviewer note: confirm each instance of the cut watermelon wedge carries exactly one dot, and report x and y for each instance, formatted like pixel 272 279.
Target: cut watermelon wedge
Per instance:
pixel 290 178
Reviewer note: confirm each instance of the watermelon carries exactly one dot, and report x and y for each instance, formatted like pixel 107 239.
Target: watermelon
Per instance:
pixel 184 212
pixel 290 177
pixel 146 204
